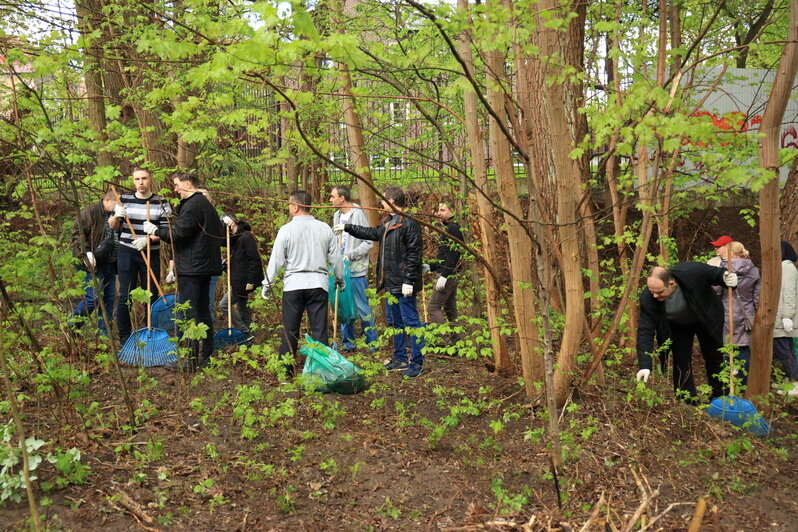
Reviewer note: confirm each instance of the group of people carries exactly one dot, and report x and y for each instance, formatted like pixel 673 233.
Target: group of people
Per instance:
pixel 691 300
pixel 110 238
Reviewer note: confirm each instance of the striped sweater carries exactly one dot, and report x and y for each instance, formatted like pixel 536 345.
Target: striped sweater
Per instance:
pixel 137 213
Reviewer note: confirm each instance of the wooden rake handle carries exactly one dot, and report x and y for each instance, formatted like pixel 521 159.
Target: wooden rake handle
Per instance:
pixel 731 320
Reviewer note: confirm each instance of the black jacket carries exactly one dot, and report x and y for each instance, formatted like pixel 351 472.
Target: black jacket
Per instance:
pixel 400 254
pixel 197 236
pixel 448 251
pixel 696 280
pixel 246 266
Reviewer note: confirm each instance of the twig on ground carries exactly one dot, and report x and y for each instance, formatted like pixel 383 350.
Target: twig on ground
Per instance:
pixel 593 515
pixel 640 509
pixel 698 515
pixel 661 515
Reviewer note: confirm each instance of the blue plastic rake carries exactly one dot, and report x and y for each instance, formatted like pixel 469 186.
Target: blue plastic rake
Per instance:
pixel 163 316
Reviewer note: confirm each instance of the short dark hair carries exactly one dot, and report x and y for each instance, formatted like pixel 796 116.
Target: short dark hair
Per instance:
pixel 396 195
pixel 448 202
pixel 187 176
pixel 343 191
pixel 301 199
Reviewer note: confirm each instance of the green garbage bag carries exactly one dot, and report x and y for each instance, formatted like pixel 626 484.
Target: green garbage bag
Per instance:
pixel 347 309
pixel 328 371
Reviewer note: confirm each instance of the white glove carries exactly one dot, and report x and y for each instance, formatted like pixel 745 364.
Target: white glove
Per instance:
pixel 120 211
pixel 93 262
pixel 227 220
pixel 730 279
pixel 265 292
pixel 425 268
pixel 170 277
pixel 787 324
pixel 441 284
pixel 141 242
pixel 643 375
pixel 407 290
pixel 150 228
pixel 338 229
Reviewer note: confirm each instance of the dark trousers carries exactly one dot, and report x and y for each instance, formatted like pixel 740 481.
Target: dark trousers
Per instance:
pixel 682 337
pixel 105 272
pixel 442 306
pixel 240 314
pixel 194 290
pixel 783 352
pixel 295 303
pixel 132 273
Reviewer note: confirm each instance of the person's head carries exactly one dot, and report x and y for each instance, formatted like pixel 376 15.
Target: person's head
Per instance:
pixel 142 181
pixel 738 251
pixel 299 203
pixel 185 183
pixel 340 195
pixel 787 252
pixel 444 210
pixel 395 197
pixel 108 201
pixel 720 245
pixel 661 283
pixel 205 192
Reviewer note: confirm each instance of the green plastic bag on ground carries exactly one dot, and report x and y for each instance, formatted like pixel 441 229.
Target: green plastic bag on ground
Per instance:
pixel 328 371
pixel 347 310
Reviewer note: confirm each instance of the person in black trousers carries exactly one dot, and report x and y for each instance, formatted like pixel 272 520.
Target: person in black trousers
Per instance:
pixel 246 272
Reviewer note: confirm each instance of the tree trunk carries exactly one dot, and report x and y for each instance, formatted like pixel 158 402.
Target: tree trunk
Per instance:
pixel 769 231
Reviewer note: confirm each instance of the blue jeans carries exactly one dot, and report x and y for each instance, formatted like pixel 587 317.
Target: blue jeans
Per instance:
pixel 358 286
pixel 400 315
pixel 106 277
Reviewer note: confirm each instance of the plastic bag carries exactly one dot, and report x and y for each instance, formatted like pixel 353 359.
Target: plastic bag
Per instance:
pixel 329 371
pixel 347 309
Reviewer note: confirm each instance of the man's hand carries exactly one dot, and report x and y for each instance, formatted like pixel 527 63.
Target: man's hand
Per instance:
pixel 425 268
pixel 227 220
pixel 120 211
pixel 642 375
pixel 338 229
pixel 250 287
pixel 170 277
pixel 787 324
pixel 341 284
pixel 407 290
pixel 93 262
pixel 730 279
pixel 141 242
pixel 150 228
pixel 441 284
pixel 266 292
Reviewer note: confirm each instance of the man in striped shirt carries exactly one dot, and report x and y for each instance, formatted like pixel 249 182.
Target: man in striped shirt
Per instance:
pixel 130 264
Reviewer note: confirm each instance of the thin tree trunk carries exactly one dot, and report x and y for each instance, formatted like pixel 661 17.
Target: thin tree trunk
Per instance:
pixel 762 336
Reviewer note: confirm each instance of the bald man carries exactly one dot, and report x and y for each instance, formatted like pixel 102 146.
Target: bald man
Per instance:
pixel 678 305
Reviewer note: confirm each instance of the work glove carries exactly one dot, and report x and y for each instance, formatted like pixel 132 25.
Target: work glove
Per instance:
pixel 642 375
pixel 265 292
pixel 441 284
pixel 93 262
pixel 730 279
pixel 250 287
pixel 170 277
pixel 141 242
pixel 120 211
pixel 425 268
pixel 787 324
pixel 150 228
pixel 227 220
pixel 407 290
pixel 338 229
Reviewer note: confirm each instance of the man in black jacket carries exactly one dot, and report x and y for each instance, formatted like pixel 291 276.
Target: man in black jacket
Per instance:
pixel 197 236
pixel 677 305
pixel 246 272
pixel 399 273
pixel 443 303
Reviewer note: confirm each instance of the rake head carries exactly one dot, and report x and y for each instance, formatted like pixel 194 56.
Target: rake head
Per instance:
pixel 163 313
pixel 148 347
pixel 740 413
pixel 228 337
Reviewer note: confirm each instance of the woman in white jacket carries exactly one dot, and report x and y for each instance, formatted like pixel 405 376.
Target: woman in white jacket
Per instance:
pixel 787 317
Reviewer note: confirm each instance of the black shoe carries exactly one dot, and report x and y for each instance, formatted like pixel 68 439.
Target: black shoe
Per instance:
pixel 397 365
pixel 414 371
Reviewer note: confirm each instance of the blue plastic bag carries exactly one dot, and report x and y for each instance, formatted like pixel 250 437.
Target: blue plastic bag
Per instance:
pixel 347 309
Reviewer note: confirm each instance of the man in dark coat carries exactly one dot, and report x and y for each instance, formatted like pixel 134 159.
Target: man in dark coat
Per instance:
pixel 677 305
pixel 399 273
pixel 246 272
pixel 197 236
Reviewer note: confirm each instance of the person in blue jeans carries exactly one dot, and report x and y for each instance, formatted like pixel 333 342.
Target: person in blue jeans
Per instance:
pixel 399 274
pixel 95 244
pixel 356 253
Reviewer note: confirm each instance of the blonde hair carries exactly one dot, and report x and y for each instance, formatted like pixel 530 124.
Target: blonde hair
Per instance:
pixel 738 250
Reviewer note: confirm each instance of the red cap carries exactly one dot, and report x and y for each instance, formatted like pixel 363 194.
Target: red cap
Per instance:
pixel 722 241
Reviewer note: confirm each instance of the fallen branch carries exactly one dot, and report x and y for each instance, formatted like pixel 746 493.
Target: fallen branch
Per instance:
pixel 640 509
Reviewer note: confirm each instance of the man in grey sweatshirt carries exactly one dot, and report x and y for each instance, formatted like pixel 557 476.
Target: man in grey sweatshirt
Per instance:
pixel 303 248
